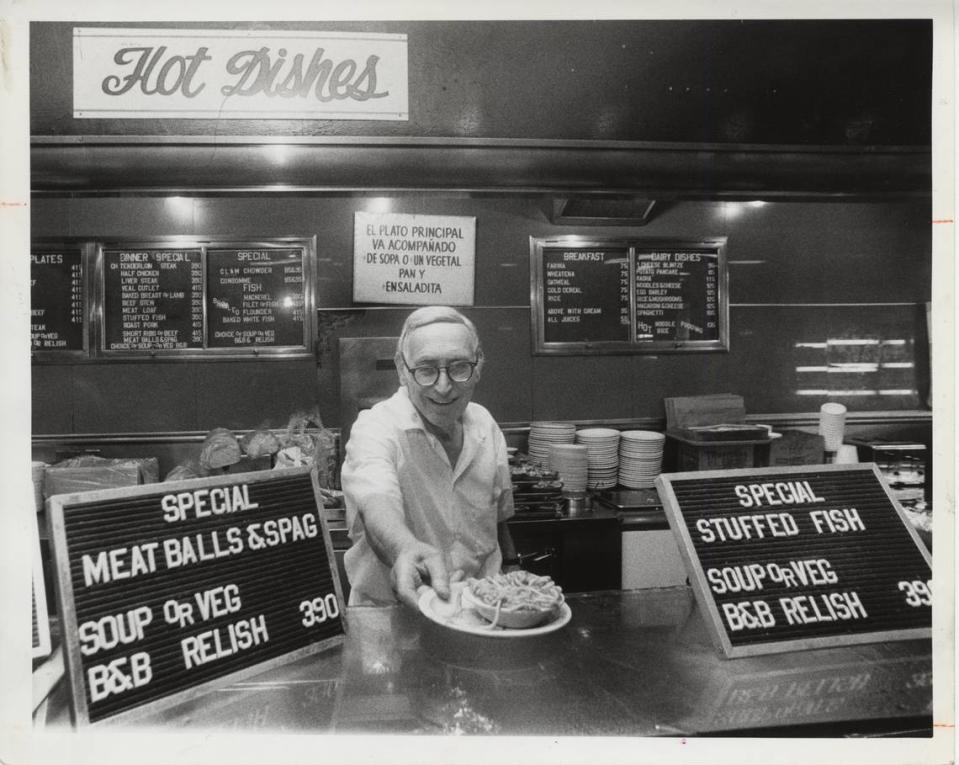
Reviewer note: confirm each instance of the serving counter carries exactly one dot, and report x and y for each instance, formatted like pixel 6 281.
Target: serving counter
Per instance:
pixel 629 663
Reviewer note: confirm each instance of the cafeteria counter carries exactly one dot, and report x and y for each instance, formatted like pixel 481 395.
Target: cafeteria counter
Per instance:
pixel 628 663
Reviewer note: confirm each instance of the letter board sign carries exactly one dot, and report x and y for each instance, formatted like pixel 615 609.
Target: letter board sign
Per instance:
pixel 168 590
pixel 785 559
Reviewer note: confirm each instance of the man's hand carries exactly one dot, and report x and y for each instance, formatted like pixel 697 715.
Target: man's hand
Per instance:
pixel 418 565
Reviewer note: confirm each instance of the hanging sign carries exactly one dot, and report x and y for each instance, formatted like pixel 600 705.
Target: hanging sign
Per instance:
pixel 238 74
pixel 413 259
pixel 784 559
pixel 168 590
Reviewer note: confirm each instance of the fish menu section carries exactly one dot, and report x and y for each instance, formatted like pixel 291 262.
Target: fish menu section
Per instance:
pixel 628 296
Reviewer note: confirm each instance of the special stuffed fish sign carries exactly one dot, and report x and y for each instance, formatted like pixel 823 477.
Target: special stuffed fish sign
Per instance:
pixel 167 590
pixel 783 559
pixel 121 73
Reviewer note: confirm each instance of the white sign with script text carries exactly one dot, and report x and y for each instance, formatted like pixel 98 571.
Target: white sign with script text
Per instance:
pixel 413 259
pixel 236 74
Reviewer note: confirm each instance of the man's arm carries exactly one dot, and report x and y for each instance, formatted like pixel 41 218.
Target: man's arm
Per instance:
pixel 506 547
pixel 412 563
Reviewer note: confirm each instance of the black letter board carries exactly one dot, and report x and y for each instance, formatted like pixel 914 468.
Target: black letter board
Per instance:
pixel 785 559
pixel 628 296
pixel 168 590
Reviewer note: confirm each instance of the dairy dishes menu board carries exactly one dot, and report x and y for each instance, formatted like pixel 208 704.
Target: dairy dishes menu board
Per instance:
pixel 153 299
pixel 255 297
pixel 57 300
pixel 620 296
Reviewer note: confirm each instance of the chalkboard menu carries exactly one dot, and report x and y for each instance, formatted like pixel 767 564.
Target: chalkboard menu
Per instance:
pixel 620 296
pixel 255 297
pixel 57 300
pixel 783 559
pixel 677 295
pixel 153 299
pixel 169 589
pixel 587 294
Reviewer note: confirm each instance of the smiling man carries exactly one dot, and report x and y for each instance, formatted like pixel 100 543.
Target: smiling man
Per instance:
pixel 426 478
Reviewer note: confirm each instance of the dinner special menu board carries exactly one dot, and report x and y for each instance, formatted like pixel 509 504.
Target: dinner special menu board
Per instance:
pixel 785 559
pixel 170 590
pixel 173 297
pixel 619 296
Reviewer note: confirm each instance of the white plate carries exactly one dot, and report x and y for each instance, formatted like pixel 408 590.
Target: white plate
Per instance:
pixel 468 621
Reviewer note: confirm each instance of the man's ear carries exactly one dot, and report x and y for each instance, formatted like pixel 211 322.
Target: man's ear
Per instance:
pixel 400 369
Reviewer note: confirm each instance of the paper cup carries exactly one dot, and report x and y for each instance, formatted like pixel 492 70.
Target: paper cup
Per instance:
pixel 847 454
pixel 832 425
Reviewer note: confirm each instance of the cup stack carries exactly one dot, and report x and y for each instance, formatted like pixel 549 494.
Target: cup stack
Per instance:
pixel 640 458
pixel 602 450
pixel 571 462
pixel 832 425
pixel 542 435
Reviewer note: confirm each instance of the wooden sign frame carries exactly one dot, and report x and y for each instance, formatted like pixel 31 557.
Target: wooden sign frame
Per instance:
pixel 674 514
pixel 61 505
pixel 633 247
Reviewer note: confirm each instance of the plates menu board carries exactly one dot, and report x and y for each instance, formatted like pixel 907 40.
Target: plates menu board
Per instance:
pixel 785 559
pixel 628 296
pixel 57 299
pixel 169 590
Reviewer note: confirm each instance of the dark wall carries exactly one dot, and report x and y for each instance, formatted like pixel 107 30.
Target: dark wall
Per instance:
pixel 818 82
pixel 798 273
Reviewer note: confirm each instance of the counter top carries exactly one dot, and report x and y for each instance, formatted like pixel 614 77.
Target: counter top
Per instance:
pixel 629 663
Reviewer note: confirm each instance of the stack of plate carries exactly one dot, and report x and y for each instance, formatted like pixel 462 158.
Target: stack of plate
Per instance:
pixel 602 446
pixel 542 435
pixel 640 458
pixel 571 462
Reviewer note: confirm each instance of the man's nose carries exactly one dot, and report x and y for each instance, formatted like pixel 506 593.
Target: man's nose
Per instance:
pixel 443 382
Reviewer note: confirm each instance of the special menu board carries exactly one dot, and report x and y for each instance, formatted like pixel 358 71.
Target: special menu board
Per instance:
pixel 619 296
pixel 169 589
pixel 255 297
pixel 57 300
pixel 153 299
pixel 784 559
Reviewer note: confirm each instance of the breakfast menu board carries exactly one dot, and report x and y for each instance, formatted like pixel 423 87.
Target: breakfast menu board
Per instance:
pixel 56 300
pixel 623 296
pixel 168 590
pixel 586 294
pixel 153 299
pixel 785 559
pixel 255 297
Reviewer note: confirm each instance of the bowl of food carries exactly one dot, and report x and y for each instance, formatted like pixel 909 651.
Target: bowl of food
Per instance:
pixel 517 600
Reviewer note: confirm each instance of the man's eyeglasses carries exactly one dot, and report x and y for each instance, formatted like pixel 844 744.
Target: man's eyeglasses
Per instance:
pixel 457 371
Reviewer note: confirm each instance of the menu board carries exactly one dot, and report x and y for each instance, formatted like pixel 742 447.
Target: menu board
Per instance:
pixel 622 296
pixel 677 295
pixel 783 559
pixel 255 297
pixel 586 294
pixel 56 300
pixel 153 299
pixel 167 589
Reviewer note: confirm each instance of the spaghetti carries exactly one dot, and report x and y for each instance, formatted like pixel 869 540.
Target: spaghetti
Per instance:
pixel 516 592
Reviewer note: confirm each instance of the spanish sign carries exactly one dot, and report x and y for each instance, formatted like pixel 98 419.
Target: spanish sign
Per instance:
pixel 784 559
pixel 414 259
pixel 167 590
pixel 122 73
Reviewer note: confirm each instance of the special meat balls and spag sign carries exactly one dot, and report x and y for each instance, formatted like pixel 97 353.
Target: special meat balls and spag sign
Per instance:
pixel 783 559
pixel 169 589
